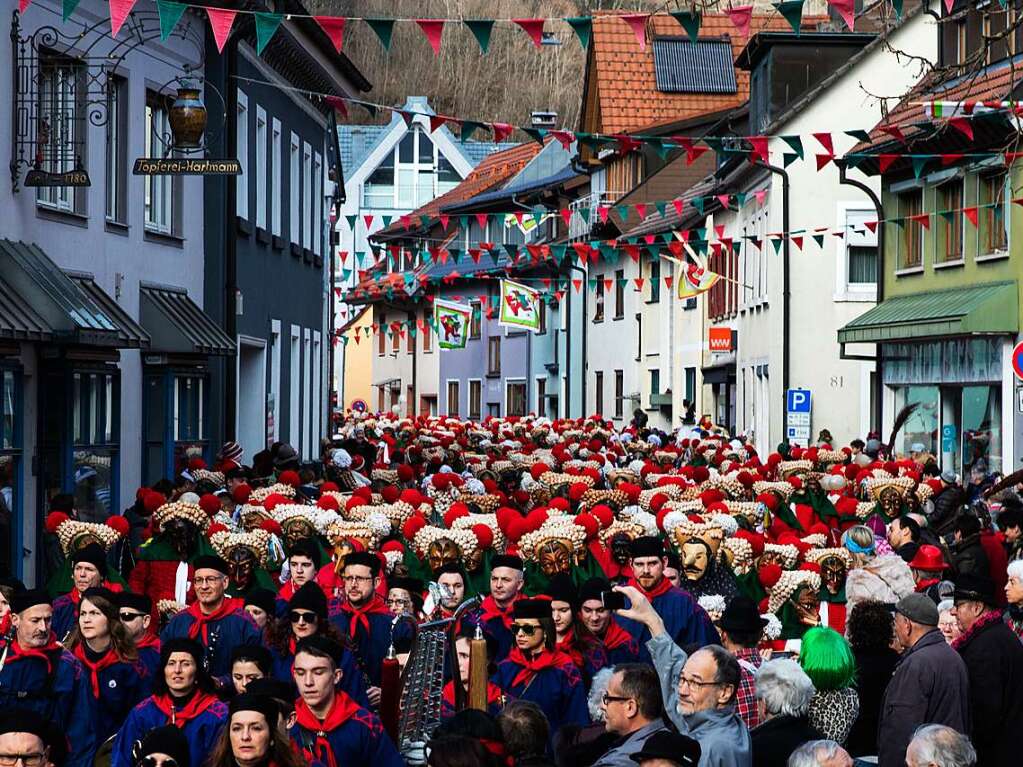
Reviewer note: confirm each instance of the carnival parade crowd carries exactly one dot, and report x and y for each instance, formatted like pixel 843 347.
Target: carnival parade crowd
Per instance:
pixel 608 597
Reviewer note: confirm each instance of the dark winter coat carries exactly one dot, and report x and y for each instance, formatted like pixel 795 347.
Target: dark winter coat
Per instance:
pixel 947 503
pixel 874 669
pixel 994 663
pixel 776 739
pixel 930 686
pixel 969 557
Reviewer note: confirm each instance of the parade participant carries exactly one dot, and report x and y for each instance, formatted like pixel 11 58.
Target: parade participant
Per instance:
pixel 586 653
pixel 248 663
pixel 673 571
pixel 535 671
pixel 686 622
pixel 834 565
pixel 253 736
pixel 741 627
pixel 261 605
pixel 88 570
pixel 8 588
pixel 163 747
pixel 927 565
pixel 135 614
pixel 1010 522
pixel 219 623
pixel 247 555
pixel 331 729
pixel 32 739
pixel 618 644
pixel 183 695
pixel 304 561
pixel 308 616
pixel 37 674
pixel 117 679
pixel 451 580
pixel 495 697
pixel 495 616
pixel 405 596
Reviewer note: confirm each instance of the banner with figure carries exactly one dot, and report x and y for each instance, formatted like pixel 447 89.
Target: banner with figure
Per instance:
pixel 694 280
pixel 452 321
pixel 520 306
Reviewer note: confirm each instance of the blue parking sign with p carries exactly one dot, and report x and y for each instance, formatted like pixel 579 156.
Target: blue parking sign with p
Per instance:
pixel 798 401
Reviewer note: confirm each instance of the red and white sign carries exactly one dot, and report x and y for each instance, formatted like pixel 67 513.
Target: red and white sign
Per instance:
pixel 720 339
pixel 1017 360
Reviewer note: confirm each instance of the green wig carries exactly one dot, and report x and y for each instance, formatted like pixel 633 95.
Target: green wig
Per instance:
pixel 827 659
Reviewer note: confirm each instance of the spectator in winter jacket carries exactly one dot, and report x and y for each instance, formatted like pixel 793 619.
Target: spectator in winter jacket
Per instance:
pixel 968 555
pixel 784 692
pixel 947 502
pixel 1010 521
pixel 871 630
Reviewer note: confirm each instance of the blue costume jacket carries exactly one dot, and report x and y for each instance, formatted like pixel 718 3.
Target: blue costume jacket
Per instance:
pixel 201 730
pixel 619 645
pixel 371 646
pixel 221 636
pixel 685 621
pixel 115 690
pixel 557 687
pixel 349 736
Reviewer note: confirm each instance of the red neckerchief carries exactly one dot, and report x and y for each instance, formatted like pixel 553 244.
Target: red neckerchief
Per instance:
pixel 375 606
pixel 201 621
pixel 5 624
pixel 489 610
pixel 17 652
pixel 148 640
pixel 287 591
pixel 615 636
pixel 530 668
pixel 76 595
pixel 343 709
pixel 926 584
pixel 661 588
pixel 180 717
pixel 568 646
pixel 108 660
pixel 493 693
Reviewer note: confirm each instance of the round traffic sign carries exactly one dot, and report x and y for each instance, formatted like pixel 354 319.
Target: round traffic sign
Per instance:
pixel 1017 360
pixel 359 405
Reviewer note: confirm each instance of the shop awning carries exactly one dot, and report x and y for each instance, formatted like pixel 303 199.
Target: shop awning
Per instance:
pixel 177 325
pixel 991 308
pixel 129 332
pixel 52 307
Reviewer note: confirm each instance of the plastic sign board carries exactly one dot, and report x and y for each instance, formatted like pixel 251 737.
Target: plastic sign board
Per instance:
pixel 798 401
pixel 720 339
pixel 1017 360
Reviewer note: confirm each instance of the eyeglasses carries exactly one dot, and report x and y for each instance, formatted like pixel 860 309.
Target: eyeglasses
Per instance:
pixel 129 617
pixel 36 759
pixel 297 617
pixel 210 580
pixel 690 682
pixel 605 699
pixel 357 578
pixel 524 628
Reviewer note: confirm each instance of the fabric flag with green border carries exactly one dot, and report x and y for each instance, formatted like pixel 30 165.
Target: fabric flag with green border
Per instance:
pixel 453 321
pixel 520 306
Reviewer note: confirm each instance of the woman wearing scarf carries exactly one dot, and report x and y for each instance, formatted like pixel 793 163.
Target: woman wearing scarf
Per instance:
pixel 448 700
pixel 117 678
pixel 306 617
pixel 587 655
pixel 254 736
pixel 183 696
pixel 535 671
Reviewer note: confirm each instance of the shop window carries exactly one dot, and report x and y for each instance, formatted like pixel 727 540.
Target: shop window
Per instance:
pixel 922 426
pixel 190 409
pixel 994 229
pixel 980 419
pixel 516 398
pixel 950 222
pixel 911 241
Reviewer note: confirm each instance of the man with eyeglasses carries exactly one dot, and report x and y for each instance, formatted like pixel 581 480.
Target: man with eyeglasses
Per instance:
pixel 495 613
pixel 38 675
pixel 135 612
pixel 29 740
pixel 685 621
pixel 619 645
pixel 633 710
pixel 217 622
pixel 698 690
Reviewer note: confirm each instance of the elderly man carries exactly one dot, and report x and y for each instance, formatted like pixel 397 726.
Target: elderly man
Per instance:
pixel 633 710
pixel 935 745
pixel 930 683
pixel 820 753
pixel 699 689
pixel 495 613
pixel 784 692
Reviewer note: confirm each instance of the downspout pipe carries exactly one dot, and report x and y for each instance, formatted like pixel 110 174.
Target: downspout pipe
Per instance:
pixel 842 164
pixel 231 240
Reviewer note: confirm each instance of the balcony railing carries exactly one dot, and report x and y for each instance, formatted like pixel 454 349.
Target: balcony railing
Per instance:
pixel 584 213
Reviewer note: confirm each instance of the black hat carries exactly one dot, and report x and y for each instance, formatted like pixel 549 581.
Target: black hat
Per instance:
pixel 181 644
pixel 12 583
pixel 646 546
pixel 321 645
pixel 264 599
pixel 168 740
pixel 532 608
pixel 262 704
pixel 310 597
pixel 306 547
pixel 413 586
pixel 138 602
pixel 562 589
pixel 286 458
pixel 34 723
pixel 364 558
pixel 670 746
pixel 26 599
pixel 974 588
pixel 282 692
pixel 450 567
pixel 94 555
pixel 592 589
pixel 506 560
pixel 101 592
pixel 210 562
pixel 741 614
pixel 255 653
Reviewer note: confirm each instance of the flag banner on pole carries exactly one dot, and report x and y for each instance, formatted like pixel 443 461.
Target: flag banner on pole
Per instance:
pixel 452 323
pixel 520 306
pixel 694 280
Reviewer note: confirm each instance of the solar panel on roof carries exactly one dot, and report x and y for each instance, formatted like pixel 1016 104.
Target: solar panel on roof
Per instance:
pixel 682 66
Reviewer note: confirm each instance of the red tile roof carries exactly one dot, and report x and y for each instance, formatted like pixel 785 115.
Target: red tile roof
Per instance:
pixel 626 92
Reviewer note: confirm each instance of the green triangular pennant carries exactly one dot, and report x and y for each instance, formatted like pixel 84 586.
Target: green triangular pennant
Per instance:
pixel 947 214
pixel 481 29
pixel 387 220
pixel 792 10
pixel 777 244
pixel 698 204
pixel 69 8
pixel 351 221
pixel 424 220
pixel 468 128
pixel 859 134
pixel 796 143
pixel 170 14
pixel 538 212
pixel 266 26
pixel 661 208
pixel 623 212
pixel 537 134
pixel 663 149
pixel 690 23
pixel 819 239
pixel 582 26
pixel 463 223
pixel 919 163
pixel 585 213
pixel 897 7
pixel 788 158
pixel 384 28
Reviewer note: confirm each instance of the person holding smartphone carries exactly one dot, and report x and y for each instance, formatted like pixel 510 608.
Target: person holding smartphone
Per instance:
pixel 596 600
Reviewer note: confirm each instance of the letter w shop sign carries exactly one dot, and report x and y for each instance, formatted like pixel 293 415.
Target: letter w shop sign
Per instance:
pixel 720 340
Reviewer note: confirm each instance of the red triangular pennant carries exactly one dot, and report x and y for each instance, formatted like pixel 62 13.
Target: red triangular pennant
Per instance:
pixel 824 159
pixel 962 125
pixel 433 29
pixel 884 161
pixel 501 131
pixel 971 215
pixel 759 144
pixel 564 137
pixel 924 219
pixel 437 121
pixel 444 219
pixel 533 28
pixel 640 210
pixel 637 21
pixel 797 241
pixel 846 9
pixel 894 131
pixel 871 225
pixel 741 15
pixel 334 26
pixel 119 10
pixel 221 21
pixel 338 104
pixel 825 141
pixel 481 219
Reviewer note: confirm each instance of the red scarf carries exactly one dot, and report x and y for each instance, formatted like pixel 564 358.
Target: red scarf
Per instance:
pixel 568 647
pixel 148 640
pixel 5 624
pixel 661 588
pixel 201 621
pixel 494 694
pixel 180 717
pixel 991 616
pixel 375 606
pixel 108 660
pixel 530 668
pixel 76 595
pixel 926 584
pixel 616 636
pixel 287 591
pixel 343 709
pixel 45 654
pixel 489 610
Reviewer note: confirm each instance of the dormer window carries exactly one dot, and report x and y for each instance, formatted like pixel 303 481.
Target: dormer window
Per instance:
pixel 414 173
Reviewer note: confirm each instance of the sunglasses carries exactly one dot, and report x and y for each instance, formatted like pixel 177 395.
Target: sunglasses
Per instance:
pixel 152 761
pixel 297 617
pixel 129 617
pixel 524 628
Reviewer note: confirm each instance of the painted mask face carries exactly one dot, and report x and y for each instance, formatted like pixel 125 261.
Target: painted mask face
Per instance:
pixel 182 535
pixel 252 522
pixel 297 529
pixel 812 484
pixel 713 536
pixel 889 499
pixel 771 558
pixel 342 549
pixel 695 559
pixel 555 557
pixel 474 560
pixel 807 601
pixel 241 566
pixel 833 574
pixel 442 551
pixel 620 549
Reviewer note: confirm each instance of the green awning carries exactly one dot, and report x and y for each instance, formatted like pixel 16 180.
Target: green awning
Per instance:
pixel 992 308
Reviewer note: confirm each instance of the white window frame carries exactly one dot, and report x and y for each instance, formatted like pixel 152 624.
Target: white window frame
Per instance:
pixel 844 290
pixel 158 208
pixel 307 193
pixel 242 146
pixel 117 103
pixel 275 375
pixel 65 87
pixel 295 387
pixel 447 396
pixel 275 178
pixel 295 189
pixel 261 176
pixel 317 386
pixel 307 414
pixel 317 202
pixel 507 383
pixel 468 399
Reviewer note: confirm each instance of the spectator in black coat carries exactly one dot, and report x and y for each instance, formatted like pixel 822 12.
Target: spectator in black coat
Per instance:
pixel 968 555
pixel 871 632
pixel 947 502
pixel 784 693
pixel 994 663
